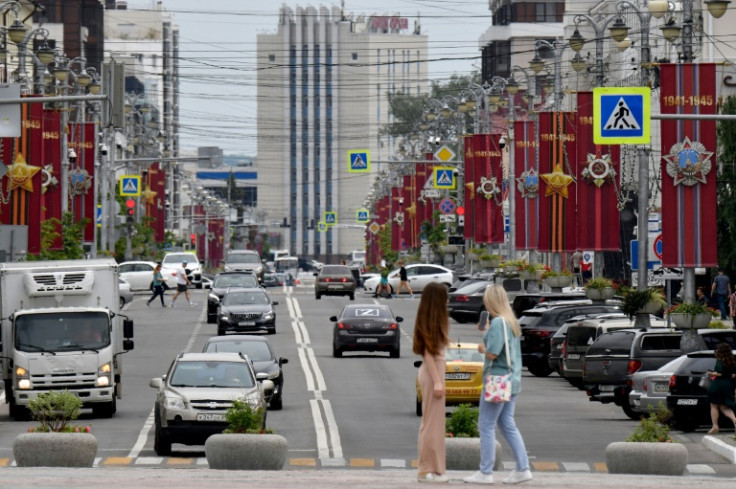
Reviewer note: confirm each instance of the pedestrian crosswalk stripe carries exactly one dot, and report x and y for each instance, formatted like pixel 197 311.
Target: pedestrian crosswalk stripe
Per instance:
pixel 445 178
pixel 621 117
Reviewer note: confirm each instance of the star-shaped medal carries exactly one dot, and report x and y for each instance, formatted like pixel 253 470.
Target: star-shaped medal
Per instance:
pixel 20 174
pixel 557 182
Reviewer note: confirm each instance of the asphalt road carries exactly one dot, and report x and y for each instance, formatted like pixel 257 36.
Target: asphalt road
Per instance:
pixel 355 411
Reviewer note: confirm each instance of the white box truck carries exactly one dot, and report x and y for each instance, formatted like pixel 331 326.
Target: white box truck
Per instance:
pixel 61 328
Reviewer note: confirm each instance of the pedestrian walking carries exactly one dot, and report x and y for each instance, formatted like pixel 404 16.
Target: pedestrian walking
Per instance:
pixel 182 284
pixel 500 359
pixel 721 289
pixel 720 391
pixel 158 285
pixel 430 340
pixel 403 281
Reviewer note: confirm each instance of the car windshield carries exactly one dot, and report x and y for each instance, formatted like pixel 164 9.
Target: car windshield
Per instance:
pixel 212 374
pixel 235 280
pixel 64 331
pixel 285 264
pixel 336 270
pixel 178 258
pixel 244 298
pixel 673 365
pixel 463 355
pixel 243 258
pixel 530 319
pixel 257 351
pixel 365 312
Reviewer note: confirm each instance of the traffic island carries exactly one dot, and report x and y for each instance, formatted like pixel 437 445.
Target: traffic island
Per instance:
pixel 464 454
pixel 236 451
pixel 55 450
pixel 654 458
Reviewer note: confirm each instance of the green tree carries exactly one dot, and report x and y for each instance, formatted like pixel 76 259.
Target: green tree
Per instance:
pixel 726 187
pixel 72 233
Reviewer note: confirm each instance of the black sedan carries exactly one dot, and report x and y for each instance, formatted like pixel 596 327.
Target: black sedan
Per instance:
pixel 246 310
pixel 366 327
pixel 265 362
pixel 466 303
pixel 687 400
pixel 221 283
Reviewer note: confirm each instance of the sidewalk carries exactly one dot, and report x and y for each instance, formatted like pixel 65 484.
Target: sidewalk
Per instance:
pixel 138 478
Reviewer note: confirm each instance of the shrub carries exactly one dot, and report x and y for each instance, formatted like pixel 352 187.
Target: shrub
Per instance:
pixel 54 411
pixel 653 428
pixel 463 422
pixel 242 418
pixel 598 283
pixel 634 300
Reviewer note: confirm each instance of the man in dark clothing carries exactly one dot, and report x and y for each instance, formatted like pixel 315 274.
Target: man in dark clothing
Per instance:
pixel 721 289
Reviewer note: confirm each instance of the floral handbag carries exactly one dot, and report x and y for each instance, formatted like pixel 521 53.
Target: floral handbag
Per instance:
pixel 498 387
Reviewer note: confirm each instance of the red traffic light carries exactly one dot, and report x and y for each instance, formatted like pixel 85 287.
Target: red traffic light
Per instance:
pixel 193 238
pixel 130 203
pixel 460 211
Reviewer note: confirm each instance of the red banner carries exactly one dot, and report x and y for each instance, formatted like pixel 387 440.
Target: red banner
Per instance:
pixel 82 139
pixel 394 210
pixel 488 182
pixel 557 204
pixel 406 191
pixel 527 186
pixel 688 166
pixel 597 173
pixel 469 196
pixel 51 199
pixel 154 197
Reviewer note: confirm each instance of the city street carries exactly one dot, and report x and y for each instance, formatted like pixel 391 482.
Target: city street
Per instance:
pixel 355 411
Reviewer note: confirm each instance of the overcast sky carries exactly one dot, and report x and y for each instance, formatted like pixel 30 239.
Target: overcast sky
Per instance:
pixel 218 56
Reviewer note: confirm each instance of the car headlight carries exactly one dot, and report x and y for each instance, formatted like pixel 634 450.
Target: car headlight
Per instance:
pixel 24 381
pixel 103 375
pixel 224 318
pixel 174 403
pixel 269 316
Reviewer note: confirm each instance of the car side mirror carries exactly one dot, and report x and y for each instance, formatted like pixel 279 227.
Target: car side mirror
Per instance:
pixel 156 383
pixel 283 360
pixel 275 303
pixel 399 319
pixel 333 319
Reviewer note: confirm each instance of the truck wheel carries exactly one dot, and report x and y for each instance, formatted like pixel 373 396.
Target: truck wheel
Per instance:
pixel 20 413
pixel 161 442
pixel 106 409
pixel 539 368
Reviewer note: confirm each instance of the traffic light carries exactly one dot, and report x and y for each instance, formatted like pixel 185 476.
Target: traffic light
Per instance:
pixel 193 240
pixel 130 211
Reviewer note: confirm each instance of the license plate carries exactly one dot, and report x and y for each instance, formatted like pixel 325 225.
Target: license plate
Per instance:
pixel 458 376
pixel 334 287
pixel 687 402
pixel 367 340
pixel 573 356
pixel 607 388
pixel 247 323
pixel 210 417
pixel 663 388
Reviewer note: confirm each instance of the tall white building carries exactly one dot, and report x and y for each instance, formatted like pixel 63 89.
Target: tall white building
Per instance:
pixel 323 80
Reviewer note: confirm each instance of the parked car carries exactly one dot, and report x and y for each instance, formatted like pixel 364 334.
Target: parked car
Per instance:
pixel 467 279
pixel 366 327
pixel 244 261
pixel 271 280
pixel 126 295
pixel 260 352
pixel 649 388
pixel 463 375
pixel 540 323
pixel 245 310
pixel 466 303
pixel 687 400
pixel 139 274
pixel 524 302
pixel 615 356
pixel 418 275
pixel 195 393
pixel 334 280
pixel 172 262
pixel 221 283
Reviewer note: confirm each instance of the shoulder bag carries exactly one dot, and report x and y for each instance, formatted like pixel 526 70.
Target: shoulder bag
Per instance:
pixel 498 387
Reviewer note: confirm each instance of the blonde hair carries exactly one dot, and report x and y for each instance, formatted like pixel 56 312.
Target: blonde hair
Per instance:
pixel 497 304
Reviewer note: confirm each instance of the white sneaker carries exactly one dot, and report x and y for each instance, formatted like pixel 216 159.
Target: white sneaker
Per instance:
pixel 434 478
pixel 480 478
pixel 516 477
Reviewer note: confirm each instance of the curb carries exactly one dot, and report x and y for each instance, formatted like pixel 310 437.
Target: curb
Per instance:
pixel 722 448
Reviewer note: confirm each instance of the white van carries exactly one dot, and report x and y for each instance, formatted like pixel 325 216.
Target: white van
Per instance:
pixel 273 255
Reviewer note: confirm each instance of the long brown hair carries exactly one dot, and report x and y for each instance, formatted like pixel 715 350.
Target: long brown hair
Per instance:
pixel 431 327
pixel 725 355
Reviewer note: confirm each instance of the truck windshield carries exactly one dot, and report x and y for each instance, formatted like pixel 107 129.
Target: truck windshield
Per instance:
pixel 62 331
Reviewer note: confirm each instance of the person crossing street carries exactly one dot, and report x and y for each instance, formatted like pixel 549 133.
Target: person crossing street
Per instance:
pixel 182 285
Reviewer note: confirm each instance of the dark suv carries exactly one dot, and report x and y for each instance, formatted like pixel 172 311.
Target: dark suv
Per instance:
pixel 524 302
pixel 687 400
pixel 540 323
pixel 614 357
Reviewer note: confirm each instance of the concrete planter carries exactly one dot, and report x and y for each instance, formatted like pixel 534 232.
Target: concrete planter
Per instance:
pixel 492 263
pixel 646 458
pixel 451 249
pixel 600 294
pixel 558 282
pixel 246 452
pixel 531 274
pixel 55 450
pixel 464 454
pixel 650 308
pixel 691 321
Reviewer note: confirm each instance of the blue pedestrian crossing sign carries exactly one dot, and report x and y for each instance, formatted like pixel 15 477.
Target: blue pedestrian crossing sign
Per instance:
pixel 130 185
pixel 321 226
pixel 622 115
pixel 330 218
pixel 359 161
pixel 444 177
pixel 362 215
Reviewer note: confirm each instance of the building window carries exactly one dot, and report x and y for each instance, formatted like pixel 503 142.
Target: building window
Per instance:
pixel 355 56
pixel 272 57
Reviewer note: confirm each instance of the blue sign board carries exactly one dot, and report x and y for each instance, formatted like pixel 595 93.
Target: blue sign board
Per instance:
pixel 621 115
pixel 330 218
pixel 635 257
pixel 130 185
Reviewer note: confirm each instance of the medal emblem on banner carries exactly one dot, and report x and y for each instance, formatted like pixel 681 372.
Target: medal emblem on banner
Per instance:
pixel 489 187
pixel 599 170
pixel 528 184
pixel 79 181
pixel 399 218
pixel 688 163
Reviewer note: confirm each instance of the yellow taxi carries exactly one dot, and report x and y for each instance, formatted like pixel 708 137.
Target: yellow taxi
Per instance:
pixel 463 375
